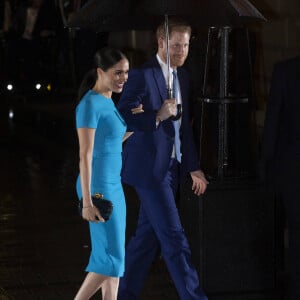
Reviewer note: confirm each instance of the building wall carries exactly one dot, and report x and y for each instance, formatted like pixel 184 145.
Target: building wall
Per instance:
pixel 277 39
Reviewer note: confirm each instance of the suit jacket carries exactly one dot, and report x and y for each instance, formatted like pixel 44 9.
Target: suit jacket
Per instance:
pixel 281 137
pixel 147 153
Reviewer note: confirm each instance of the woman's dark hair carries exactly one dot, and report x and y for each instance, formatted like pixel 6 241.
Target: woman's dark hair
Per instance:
pixel 104 58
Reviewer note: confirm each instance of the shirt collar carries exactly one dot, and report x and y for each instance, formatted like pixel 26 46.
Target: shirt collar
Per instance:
pixel 164 67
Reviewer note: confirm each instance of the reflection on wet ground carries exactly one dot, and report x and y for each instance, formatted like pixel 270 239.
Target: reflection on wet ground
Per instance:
pixel 44 244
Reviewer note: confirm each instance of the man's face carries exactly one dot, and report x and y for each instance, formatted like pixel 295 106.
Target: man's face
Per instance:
pixel 178 48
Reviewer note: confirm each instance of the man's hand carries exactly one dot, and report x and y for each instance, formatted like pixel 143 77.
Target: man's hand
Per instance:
pixel 199 182
pixel 167 110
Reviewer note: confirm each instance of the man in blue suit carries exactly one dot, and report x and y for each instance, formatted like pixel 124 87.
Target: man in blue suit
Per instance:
pixel 153 165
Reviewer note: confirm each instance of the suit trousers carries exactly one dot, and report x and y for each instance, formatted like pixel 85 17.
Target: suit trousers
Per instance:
pixel 159 229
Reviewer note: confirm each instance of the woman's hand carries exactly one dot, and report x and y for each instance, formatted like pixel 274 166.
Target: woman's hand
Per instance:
pixel 137 110
pixel 91 214
pixel 127 135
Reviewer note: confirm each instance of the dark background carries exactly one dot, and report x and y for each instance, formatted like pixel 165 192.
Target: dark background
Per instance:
pixel 235 230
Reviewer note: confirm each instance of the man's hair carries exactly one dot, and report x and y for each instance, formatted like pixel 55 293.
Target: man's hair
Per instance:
pixel 175 24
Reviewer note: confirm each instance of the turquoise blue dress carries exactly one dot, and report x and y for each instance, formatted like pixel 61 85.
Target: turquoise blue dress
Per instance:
pixel 107 239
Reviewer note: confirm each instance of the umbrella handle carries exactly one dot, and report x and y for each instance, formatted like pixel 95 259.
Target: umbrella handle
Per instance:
pixel 170 92
pixel 167 37
pixel 179 113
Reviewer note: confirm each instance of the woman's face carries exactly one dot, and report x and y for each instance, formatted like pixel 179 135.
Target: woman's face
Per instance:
pixel 116 76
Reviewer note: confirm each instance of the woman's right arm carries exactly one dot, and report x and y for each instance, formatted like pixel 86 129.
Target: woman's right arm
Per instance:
pixel 86 137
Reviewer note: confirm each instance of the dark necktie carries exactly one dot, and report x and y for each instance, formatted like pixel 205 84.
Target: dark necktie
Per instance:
pixel 176 123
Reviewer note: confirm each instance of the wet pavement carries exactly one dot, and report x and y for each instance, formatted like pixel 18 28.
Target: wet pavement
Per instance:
pixel 44 245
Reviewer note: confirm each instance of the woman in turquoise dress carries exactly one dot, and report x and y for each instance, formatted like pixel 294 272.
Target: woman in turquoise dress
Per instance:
pixel 101 130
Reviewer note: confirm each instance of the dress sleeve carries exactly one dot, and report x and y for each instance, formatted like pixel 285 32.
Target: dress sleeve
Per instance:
pixel 87 114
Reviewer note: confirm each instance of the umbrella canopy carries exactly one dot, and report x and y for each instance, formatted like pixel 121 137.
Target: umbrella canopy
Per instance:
pixel 203 12
pixel 111 15
pixel 117 15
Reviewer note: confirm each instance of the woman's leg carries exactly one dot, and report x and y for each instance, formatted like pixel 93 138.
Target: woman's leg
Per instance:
pixel 110 288
pixel 90 286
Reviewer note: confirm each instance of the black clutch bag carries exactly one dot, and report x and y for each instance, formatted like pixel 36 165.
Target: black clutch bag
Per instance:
pixel 104 206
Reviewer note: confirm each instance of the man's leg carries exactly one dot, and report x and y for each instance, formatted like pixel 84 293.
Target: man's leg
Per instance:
pixel 139 255
pixel 161 210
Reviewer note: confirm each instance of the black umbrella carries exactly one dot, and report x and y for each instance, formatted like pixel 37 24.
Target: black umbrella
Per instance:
pixel 117 15
pixel 113 15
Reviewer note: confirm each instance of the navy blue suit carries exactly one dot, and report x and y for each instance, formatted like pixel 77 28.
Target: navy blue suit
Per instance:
pixel 149 168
